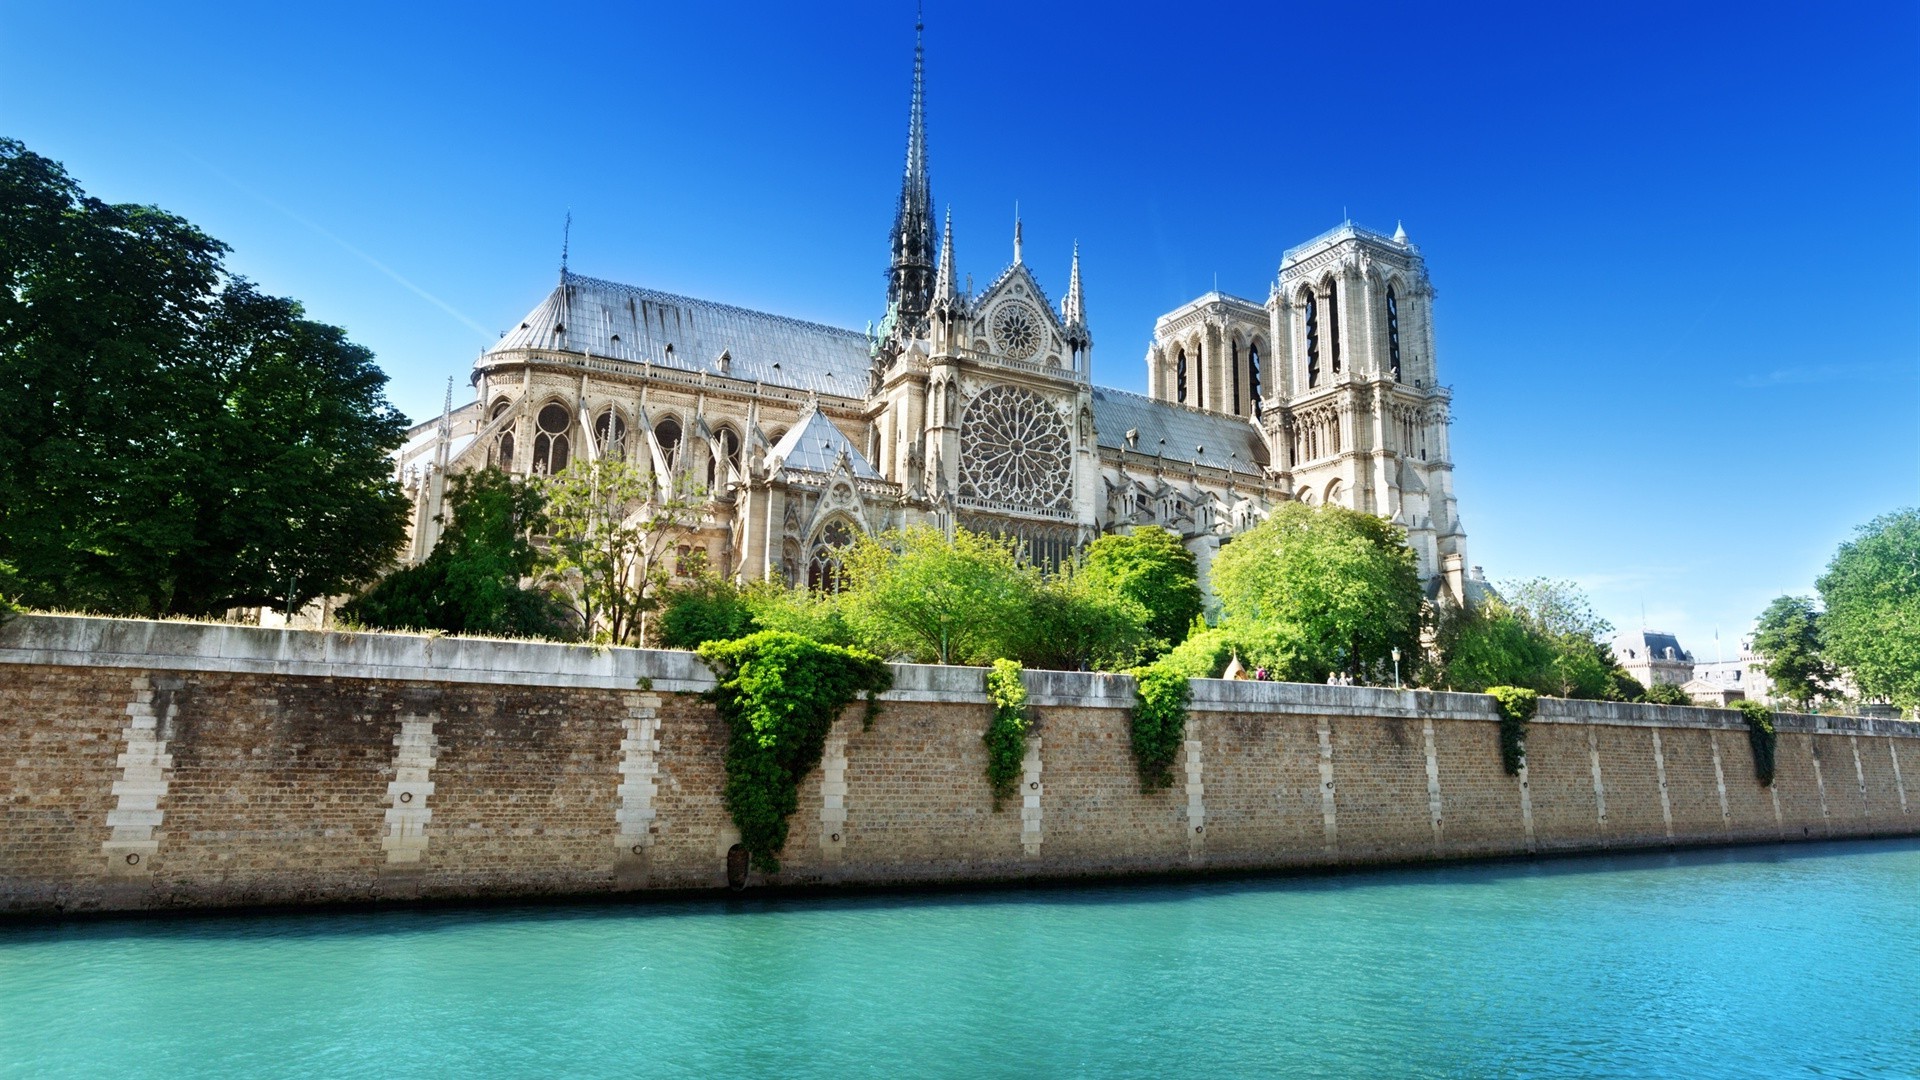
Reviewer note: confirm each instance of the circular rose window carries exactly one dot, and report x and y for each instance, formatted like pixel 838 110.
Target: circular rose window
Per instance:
pixel 1015 448
pixel 1017 329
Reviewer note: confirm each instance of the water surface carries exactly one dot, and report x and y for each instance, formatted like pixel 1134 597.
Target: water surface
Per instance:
pixel 1772 961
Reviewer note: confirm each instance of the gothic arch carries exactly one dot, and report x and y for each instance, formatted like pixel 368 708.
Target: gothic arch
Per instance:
pixel 1334 490
pixel 612 434
pixel 825 550
pixel 553 437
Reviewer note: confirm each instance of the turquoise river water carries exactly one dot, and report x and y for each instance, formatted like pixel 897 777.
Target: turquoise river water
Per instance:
pixel 1774 961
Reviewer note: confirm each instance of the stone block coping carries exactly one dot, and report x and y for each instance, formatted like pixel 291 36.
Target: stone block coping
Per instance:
pixel 140 644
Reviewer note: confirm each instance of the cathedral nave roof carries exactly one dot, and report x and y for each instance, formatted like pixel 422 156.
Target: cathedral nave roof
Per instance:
pixel 1177 432
pixel 626 322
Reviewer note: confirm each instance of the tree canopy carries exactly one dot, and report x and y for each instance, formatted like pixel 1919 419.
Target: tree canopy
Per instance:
pixel 1315 590
pixel 612 534
pixel 471 583
pixel 922 596
pixel 1787 638
pixel 1151 567
pixel 1871 591
pixel 176 441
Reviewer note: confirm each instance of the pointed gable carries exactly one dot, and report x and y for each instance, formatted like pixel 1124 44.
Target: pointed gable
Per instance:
pixel 815 444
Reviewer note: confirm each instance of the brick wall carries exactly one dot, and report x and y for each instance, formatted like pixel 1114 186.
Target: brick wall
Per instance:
pixel 172 765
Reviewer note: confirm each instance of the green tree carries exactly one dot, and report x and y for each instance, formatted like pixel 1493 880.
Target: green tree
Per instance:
pixel 1488 645
pixel 1871 592
pixel 1787 637
pixel 1665 694
pixel 709 608
pixel 1581 664
pixel 176 442
pixel 810 613
pixel 1313 590
pixel 1151 567
pixel 471 583
pixel 914 593
pixel 1079 621
pixel 611 535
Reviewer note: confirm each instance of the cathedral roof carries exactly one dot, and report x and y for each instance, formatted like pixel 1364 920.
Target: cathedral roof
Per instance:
pixel 816 445
pixel 626 322
pixel 1177 432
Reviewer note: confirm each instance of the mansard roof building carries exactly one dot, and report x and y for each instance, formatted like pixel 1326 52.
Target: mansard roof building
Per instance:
pixel 978 409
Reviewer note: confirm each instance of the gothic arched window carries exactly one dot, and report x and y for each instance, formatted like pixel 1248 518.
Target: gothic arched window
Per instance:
pixel 504 448
pixel 1180 377
pixel 1333 323
pixel 610 435
pixel 1393 333
pixel 823 563
pixel 1253 376
pixel 667 434
pixel 1233 378
pixel 1313 341
pixel 550 443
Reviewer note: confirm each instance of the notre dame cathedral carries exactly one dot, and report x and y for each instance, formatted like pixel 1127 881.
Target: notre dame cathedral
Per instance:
pixel 978 408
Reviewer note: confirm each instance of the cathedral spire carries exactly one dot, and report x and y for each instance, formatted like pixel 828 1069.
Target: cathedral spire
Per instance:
pixel 944 291
pixel 1074 308
pixel 910 278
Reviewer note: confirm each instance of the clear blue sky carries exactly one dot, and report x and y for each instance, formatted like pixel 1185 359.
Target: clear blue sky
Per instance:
pixel 1677 247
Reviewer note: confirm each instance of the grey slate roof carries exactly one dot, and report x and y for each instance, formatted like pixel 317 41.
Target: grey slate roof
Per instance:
pixel 815 443
pixel 1180 433
pixel 625 322
pixel 1648 645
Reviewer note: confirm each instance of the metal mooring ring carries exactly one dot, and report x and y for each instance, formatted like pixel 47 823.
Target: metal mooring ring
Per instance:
pixel 133 858
pixel 636 849
pixel 406 796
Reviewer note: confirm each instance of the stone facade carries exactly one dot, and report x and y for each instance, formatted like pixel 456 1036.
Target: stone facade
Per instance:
pixel 246 766
pixel 978 408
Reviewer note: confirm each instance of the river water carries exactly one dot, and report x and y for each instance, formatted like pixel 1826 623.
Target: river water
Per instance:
pixel 1773 961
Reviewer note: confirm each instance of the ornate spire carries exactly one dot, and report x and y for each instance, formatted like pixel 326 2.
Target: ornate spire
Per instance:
pixel 910 279
pixel 1016 234
pixel 944 290
pixel 1073 310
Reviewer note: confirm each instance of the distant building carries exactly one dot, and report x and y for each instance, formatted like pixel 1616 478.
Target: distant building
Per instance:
pixel 1724 681
pixel 1653 657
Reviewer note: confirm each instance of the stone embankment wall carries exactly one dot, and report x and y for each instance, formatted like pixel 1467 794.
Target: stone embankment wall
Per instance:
pixel 151 765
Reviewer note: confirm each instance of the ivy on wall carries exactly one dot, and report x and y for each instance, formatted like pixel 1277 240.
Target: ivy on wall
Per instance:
pixel 1517 706
pixel 1161 695
pixel 1006 736
pixel 1761 736
pixel 780 694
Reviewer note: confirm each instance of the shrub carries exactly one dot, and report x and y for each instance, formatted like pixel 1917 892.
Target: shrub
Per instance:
pixel 710 608
pixel 1761 736
pixel 810 613
pixel 780 694
pixel 1517 706
pixel 1006 737
pixel 1151 566
pixel 1077 620
pixel 1666 694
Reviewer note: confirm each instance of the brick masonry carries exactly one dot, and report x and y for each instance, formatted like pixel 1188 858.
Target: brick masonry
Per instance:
pixel 166 766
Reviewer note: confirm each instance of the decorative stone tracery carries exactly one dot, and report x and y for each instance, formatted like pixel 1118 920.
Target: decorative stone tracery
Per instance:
pixel 1015 449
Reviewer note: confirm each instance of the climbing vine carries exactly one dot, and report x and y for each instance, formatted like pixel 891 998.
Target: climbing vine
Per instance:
pixel 1006 737
pixel 779 694
pixel 1161 694
pixel 1517 706
pixel 1762 737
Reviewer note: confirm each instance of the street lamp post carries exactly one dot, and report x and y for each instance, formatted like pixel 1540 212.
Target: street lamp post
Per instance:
pixel 1396 667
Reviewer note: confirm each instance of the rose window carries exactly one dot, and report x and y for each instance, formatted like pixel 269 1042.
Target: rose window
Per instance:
pixel 1015 448
pixel 1016 329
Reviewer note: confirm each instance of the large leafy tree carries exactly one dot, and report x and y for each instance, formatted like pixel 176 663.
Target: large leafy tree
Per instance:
pixel 916 594
pixel 612 535
pixel 1490 644
pixel 1787 638
pixel 1580 661
pixel 472 582
pixel 1078 621
pixel 1314 590
pixel 1151 567
pixel 175 441
pixel 1871 591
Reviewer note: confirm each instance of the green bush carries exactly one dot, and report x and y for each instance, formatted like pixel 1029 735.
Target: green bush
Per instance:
pixel 1517 706
pixel 1665 694
pixel 1006 737
pixel 780 694
pixel 1161 695
pixel 1205 654
pixel 710 608
pixel 1761 736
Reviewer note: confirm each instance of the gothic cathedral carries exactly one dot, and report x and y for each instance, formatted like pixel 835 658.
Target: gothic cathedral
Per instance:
pixel 978 409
